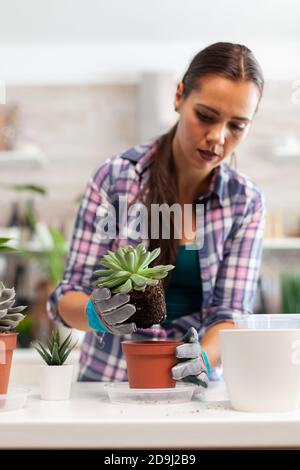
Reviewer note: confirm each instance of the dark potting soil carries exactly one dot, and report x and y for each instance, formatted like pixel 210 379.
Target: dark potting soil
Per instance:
pixel 150 306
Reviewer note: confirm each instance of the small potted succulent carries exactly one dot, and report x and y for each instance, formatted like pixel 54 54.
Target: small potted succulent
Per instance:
pixel 56 375
pixel 127 271
pixel 10 317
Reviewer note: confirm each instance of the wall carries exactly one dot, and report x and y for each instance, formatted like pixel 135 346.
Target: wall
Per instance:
pixel 77 127
pixel 80 126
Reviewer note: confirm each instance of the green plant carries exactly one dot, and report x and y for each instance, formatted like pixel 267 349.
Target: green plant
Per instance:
pixel 128 269
pixel 34 188
pixel 52 260
pixel 55 257
pixel 10 316
pixel 25 331
pixel 56 352
pixel 29 216
pixel 4 246
pixel 290 292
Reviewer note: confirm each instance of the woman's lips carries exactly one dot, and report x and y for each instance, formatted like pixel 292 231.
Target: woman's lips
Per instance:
pixel 207 155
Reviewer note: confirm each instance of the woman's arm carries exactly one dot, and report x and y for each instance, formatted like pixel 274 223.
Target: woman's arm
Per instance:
pixel 211 342
pixel 67 303
pixel 72 308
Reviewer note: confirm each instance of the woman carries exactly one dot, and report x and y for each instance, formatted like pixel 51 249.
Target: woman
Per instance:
pixel 216 102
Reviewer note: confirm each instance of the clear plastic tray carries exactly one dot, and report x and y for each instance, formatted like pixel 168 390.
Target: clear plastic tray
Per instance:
pixel 268 321
pixel 119 392
pixel 14 399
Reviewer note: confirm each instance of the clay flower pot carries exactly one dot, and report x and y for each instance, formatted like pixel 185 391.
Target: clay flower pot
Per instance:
pixel 8 342
pixel 149 363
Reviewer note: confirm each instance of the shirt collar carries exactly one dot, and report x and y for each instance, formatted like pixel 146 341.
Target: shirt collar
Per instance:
pixel 142 155
pixel 217 185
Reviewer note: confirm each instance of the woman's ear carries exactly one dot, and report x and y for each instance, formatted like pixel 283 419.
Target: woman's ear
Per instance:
pixel 178 96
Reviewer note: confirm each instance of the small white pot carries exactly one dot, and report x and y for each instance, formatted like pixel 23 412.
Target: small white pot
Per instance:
pixel 262 369
pixel 56 382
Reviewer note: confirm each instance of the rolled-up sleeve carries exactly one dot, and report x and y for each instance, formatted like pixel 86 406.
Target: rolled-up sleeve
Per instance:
pixel 86 247
pixel 237 276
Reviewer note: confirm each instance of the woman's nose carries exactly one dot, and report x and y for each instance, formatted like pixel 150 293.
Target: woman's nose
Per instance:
pixel 216 135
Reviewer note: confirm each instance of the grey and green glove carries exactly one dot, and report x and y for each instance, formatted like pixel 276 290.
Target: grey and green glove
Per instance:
pixel 193 366
pixel 106 312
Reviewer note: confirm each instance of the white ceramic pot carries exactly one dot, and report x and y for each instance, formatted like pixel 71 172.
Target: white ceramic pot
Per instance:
pixel 262 369
pixel 56 382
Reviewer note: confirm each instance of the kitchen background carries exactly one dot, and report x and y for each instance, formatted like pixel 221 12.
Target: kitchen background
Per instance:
pixel 86 79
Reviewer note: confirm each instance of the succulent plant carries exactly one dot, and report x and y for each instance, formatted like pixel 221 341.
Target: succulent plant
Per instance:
pixel 127 271
pixel 10 316
pixel 56 352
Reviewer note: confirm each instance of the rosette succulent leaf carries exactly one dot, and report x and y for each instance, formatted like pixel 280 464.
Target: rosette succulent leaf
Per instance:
pixel 10 316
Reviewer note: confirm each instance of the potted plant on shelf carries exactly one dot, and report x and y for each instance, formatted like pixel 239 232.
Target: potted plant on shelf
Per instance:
pixel 10 317
pixel 56 375
pixel 24 214
pixel 127 271
pixel 290 292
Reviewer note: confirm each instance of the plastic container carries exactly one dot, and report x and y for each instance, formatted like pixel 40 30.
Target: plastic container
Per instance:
pixel 119 392
pixel 284 321
pixel 14 399
pixel 262 369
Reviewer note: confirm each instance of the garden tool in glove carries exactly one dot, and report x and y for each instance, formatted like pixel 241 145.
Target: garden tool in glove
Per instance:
pixel 107 313
pixel 193 364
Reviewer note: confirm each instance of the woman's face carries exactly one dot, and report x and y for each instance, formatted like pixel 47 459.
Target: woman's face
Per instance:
pixel 214 119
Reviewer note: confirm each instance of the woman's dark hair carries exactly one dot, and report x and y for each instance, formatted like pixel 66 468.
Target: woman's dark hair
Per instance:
pixel 232 61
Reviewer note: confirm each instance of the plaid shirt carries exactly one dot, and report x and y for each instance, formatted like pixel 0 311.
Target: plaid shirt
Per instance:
pixel 229 258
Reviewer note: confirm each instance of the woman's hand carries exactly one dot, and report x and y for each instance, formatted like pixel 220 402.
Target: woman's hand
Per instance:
pixel 106 312
pixel 193 366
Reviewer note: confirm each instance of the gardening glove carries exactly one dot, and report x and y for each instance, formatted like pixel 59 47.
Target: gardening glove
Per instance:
pixel 106 312
pixel 193 366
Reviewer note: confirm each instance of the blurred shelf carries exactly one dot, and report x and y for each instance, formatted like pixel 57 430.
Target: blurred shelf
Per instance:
pixel 24 159
pixel 39 244
pixel 288 243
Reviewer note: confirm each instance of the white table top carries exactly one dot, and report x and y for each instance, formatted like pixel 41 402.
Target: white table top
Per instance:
pixel 90 420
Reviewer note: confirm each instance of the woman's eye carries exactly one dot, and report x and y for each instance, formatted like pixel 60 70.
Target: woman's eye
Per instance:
pixel 203 117
pixel 237 128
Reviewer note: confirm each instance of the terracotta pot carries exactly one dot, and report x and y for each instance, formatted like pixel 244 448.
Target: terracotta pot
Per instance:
pixel 149 363
pixel 8 342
